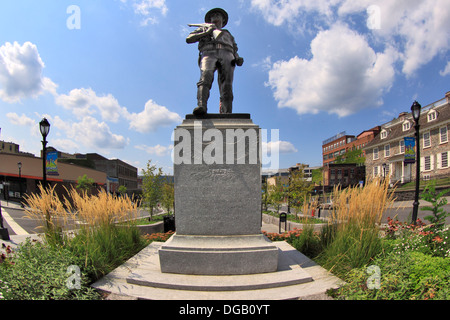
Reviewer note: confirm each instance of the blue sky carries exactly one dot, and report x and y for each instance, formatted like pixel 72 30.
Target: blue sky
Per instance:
pixel 115 77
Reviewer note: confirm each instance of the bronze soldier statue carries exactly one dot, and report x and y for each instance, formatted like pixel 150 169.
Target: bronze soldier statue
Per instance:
pixel 217 51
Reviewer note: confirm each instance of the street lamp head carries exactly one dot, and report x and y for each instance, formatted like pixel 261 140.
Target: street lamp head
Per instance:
pixel 44 126
pixel 19 165
pixel 415 109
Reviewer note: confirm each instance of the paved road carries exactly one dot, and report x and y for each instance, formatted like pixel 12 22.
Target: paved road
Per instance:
pixel 15 219
pixel 18 224
pixel 403 211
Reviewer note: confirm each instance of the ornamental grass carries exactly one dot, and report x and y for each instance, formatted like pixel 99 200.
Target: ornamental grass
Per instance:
pixel 101 228
pixel 351 238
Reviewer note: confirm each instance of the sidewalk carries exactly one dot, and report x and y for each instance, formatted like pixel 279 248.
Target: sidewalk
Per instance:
pixel 409 203
pixel 15 240
pixel 270 228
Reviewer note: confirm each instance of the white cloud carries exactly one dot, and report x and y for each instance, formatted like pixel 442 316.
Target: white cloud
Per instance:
pixel 149 10
pixel 90 134
pixel 152 117
pixel 158 150
pixel 343 76
pixel 418 29
pixel 81 101
pixel 21 72
pixel 85 102
pixel 446 70
pixel 282 147
pixel 22 120
pixel 66 145
pixel 264 64
pixel 279 12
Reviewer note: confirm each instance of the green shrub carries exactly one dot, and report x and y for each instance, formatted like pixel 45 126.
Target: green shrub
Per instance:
pixel 352 239
pixel 405 276
pixel 106 247
pixel 307 242
pixel 35 271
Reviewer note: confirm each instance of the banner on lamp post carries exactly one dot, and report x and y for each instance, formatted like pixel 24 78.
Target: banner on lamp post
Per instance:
pixel 52 163
pixel 410 151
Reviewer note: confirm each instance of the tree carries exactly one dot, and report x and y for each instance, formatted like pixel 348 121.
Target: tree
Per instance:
pixel 122 190
pixel 353 156
pixel 167 196
pixel 299 190
pixel 84 183
pixel 277 193
pixel 264 195
pixel 437 200
pixel 152 184
pixel 317 176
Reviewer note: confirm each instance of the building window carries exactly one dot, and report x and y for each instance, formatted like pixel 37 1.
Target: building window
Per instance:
pixel 426 140
pixel 427 163
pixel 384 134
pixel 443 134
pixel 387 150
pixel 432 115
pixel 375 153
pixel 375 171
pixel 406 125
pixel 442 159
pixel 402 146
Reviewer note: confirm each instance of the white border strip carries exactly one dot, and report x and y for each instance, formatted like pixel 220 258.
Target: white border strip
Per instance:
pixel 18 230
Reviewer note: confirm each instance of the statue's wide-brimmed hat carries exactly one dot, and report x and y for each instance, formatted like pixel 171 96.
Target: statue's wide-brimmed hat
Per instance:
pixel 217 10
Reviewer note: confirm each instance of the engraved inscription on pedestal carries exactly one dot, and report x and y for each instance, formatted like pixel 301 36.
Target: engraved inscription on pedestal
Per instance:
pixel 217 171
pixel 219 198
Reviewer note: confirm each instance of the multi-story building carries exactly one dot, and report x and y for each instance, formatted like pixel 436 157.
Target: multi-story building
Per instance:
pixel 363 139
pixel 20 174
pixel 126 174
pixel 342 174
pixel 119 173
pixel 385 154
pixel 12 148
pixel 335 146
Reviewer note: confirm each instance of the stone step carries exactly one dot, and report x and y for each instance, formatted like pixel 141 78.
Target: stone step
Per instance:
pixel 140 277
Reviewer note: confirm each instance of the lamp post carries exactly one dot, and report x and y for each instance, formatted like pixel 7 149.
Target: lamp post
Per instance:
pixel 44 127
pixel 415 109
pixel 19 165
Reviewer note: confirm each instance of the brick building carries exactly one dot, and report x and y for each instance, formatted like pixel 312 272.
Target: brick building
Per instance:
pixel 386 152
pixel 336 146
pixel 363 139
pixel 343 174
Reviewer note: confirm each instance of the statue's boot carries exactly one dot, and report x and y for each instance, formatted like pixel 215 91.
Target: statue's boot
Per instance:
pixel 202 100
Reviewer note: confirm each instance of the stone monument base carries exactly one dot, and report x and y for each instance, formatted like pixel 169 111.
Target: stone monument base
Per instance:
pixel 218 255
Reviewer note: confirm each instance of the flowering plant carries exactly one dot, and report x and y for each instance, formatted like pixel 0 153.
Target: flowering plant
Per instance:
pixel 159 236
pixel 422 238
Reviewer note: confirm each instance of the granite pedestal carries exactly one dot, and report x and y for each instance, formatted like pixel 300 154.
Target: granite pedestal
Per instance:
pixel 217 171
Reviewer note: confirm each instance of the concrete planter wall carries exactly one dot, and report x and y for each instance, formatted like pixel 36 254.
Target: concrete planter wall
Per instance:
pixel 157 227
pixel 292 225
pixel 152 228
